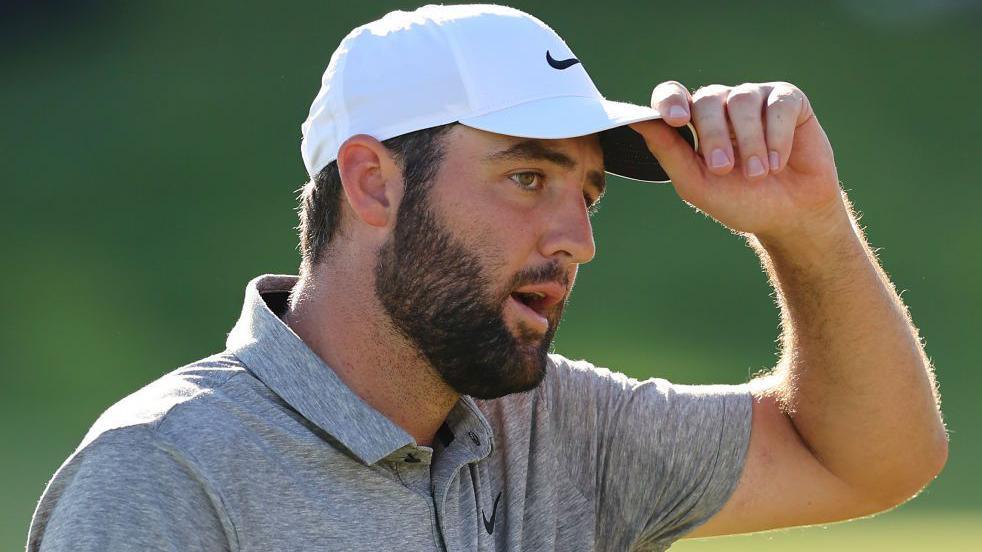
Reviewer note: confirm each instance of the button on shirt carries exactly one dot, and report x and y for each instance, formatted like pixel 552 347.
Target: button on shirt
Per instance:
pixel 262 447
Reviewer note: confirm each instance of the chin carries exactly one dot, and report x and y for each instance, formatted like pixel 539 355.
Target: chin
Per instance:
pixel 502 391
pixel 522 377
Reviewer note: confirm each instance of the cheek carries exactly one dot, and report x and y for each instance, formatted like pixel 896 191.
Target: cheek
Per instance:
pixel 497 230
pixel 510 225
pixel 501 241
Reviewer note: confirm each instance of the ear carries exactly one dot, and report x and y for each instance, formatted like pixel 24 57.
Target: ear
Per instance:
pixel 371 179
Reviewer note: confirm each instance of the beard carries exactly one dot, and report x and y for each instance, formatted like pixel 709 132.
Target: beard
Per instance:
pixel 440 297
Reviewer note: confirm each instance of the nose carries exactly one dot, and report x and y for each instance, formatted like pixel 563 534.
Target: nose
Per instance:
pixel 568 231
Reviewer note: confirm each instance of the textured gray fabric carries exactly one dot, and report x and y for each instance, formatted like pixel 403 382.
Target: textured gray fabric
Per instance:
pixel 262 447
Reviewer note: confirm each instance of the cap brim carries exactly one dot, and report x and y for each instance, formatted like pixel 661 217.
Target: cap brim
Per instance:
pixel 625 151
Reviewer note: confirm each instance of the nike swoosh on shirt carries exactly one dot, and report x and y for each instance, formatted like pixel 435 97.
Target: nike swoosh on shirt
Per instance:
pixel 489 524
pixel 561 63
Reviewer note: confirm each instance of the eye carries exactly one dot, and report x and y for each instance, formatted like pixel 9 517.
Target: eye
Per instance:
pixel 529 181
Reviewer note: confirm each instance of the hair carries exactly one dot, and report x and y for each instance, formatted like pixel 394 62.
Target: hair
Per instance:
pixel 419 155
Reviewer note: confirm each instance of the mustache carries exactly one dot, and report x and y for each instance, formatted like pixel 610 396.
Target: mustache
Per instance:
pixel 552 271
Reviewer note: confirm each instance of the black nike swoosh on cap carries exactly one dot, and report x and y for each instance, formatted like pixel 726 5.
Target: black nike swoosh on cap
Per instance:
pixel 561 63
pixel 489 524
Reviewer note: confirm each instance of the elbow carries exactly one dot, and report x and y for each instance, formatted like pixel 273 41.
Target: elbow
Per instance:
pixel 923 470
pixel 938 459
pixel 923 459
pixel 934 460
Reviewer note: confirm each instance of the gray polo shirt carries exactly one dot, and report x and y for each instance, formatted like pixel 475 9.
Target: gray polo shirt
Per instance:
pixel 262 447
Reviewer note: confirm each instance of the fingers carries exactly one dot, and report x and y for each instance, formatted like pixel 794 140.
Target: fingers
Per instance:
pixel 709 118
pixel 786 109
pixel 744 105
pixel 672 151
pixel 676 157
pixel 672 100
pixel 750 126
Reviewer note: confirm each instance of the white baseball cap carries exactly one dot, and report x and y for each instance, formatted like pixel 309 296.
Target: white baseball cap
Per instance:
pixel 489 67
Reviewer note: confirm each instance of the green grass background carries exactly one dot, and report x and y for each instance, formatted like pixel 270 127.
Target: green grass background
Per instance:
pixel 149 157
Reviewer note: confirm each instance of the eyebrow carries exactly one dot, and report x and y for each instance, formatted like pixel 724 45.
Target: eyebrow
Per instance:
pixel 533 149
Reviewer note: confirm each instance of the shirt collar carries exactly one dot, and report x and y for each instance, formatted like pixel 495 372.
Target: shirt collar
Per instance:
pixel 281 360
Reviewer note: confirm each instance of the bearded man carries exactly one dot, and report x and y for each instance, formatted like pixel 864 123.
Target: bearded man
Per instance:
pixel 400 393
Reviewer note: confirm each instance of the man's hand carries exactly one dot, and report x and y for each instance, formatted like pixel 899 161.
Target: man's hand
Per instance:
pixel 764 164
pixel 848 423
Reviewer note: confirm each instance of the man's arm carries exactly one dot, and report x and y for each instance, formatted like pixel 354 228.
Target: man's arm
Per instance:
pixel 848 423
pixel 853 388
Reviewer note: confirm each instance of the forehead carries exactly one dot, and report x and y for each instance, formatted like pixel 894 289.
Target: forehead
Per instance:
pixel 580 153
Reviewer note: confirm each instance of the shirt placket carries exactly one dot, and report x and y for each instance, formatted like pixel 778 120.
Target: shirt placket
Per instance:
pixel 411 465
pixel 467 448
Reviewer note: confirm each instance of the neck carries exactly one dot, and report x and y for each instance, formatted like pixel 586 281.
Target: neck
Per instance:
pixel 335 311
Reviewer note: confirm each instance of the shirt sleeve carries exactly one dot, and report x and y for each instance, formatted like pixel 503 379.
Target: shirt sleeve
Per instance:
pixel 661 458
pixel 128 490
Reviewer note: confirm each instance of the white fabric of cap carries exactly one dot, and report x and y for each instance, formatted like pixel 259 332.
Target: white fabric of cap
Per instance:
pixel 483 65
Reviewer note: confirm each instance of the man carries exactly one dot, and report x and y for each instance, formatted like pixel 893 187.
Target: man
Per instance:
pixel 399 394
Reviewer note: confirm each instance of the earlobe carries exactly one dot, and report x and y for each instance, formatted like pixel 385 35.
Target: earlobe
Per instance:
pixel 370 179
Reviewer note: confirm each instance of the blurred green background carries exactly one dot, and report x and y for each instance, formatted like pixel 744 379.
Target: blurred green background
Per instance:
pixel 149 157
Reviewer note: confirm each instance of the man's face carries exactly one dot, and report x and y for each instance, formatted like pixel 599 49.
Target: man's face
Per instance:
pixel 478 269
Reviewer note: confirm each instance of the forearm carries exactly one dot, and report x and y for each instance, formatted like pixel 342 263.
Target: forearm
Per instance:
pixel 852 377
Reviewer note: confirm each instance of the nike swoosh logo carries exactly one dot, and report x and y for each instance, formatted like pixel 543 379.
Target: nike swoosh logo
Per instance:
pixel 489 524
pixel 561 63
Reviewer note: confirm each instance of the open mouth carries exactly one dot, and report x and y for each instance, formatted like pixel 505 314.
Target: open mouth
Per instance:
pixel 533 303
pixel 532 299
pixel 533 307
pixel 528 316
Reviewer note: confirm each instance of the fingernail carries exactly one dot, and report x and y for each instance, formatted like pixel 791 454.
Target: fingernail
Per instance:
pixel 718 159
pixel 677 112
pixel 754 166
pixel 774 159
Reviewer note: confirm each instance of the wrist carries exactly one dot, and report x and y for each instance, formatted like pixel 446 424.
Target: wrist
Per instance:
pixel 815 241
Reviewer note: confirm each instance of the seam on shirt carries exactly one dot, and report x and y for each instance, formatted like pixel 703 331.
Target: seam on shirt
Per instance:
pixel 438 543
pixel 396 469
pixel 709 481
pixel 156 441
pixel 155 429
pixel 547 398
pixel 221 507
pixel 738 399
pixel 615 414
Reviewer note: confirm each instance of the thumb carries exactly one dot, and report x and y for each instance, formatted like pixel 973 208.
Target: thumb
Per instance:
pixel 676 156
